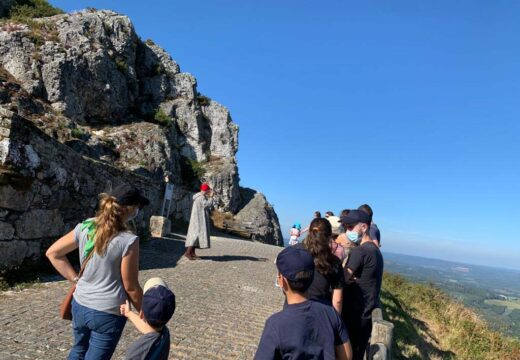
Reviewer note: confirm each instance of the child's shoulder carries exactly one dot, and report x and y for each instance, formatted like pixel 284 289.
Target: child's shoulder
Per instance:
pixel 155 341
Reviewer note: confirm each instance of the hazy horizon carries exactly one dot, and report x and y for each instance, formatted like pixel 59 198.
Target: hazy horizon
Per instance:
pixel 454 261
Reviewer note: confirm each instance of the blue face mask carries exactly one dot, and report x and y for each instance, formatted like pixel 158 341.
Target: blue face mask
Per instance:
pixel 353 236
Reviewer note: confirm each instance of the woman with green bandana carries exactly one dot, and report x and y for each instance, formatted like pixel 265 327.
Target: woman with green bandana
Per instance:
pixel 109 253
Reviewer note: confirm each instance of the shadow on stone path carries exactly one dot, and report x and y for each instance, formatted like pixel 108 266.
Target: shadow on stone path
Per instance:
pixel 232 258
pixel 223 301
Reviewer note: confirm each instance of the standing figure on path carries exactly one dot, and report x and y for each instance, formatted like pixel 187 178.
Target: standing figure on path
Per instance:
pixel 303 329
pixel 198 230
pixel 364 274
pixel 295 234
pixel 110 255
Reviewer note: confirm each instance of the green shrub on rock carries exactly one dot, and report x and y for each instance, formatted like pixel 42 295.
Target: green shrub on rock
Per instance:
pixel 203 100
pixel 79 134
pixel 29 9
pixel 191 171
pixel 121 65
pixel 162 118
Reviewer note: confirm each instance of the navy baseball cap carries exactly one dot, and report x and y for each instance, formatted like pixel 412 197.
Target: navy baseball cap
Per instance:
pixel 356 216
pixel 293 260
pixel 127 195
pixel 158 302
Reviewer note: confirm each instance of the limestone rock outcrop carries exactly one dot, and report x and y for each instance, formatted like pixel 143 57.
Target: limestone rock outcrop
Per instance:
pixel 261 215
pixel 86 103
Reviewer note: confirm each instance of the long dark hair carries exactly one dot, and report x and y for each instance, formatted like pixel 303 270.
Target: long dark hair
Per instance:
pixel 318 244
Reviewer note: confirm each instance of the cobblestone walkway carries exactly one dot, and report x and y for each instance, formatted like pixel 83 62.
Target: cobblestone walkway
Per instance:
pixel 223 301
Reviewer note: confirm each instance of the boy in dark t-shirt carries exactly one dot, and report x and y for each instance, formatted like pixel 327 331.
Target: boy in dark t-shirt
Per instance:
pixel 157 309
pixel 304 329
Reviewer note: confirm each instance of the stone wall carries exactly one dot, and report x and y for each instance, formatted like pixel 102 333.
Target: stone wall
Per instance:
pixel 45 189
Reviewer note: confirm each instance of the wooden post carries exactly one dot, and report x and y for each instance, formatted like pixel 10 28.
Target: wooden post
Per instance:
pixel 381 337
pixel 377 314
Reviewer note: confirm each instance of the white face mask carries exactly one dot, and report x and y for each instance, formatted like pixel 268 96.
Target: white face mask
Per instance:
pixel 134 215
pixel 277 284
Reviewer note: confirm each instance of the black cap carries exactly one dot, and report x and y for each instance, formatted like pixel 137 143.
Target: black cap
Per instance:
pixel 127 195
pixel 356 216
pixel 292 260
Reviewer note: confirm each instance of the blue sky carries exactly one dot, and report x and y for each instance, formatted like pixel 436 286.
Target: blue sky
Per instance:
pixel 412 107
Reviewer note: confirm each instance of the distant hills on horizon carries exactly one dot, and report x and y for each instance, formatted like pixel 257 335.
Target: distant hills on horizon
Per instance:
pixel 402 257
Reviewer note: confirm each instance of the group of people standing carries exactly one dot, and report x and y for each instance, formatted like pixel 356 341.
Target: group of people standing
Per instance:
pixel 347 277
pixel 331 283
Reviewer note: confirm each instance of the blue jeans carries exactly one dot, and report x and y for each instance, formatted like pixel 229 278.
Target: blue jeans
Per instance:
pixel 96 333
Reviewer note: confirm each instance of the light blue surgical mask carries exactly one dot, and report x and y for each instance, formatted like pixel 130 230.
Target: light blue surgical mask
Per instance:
pixel 353 236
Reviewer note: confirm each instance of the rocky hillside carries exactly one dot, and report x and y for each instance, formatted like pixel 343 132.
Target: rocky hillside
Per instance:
pixel 86 104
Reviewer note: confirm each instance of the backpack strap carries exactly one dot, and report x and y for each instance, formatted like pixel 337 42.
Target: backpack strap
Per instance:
pixel 89 256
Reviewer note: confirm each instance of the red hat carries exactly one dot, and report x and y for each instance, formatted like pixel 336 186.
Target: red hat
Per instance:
pixel 204 187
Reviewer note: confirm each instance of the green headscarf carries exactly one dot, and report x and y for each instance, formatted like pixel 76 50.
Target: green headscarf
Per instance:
pixel 90 225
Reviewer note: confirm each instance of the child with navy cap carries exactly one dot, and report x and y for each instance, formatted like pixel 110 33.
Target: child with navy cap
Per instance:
pixel 157 309
pixel 304 329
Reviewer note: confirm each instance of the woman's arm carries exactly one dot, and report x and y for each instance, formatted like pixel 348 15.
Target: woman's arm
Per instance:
pixel 337 300
pixel 130 275
pixel 57 255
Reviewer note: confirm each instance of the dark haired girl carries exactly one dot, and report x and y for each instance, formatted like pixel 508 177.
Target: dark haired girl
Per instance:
pixel 328 279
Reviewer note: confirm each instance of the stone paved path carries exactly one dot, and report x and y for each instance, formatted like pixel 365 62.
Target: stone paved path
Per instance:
pixel 223 301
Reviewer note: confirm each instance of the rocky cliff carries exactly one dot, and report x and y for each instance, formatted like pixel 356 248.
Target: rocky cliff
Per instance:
pixel 85 104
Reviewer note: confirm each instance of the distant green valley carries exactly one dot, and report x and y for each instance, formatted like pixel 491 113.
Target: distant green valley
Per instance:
pixel 430 324
pixel 493 293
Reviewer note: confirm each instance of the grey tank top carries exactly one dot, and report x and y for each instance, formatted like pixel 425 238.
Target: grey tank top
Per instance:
pixel 101 286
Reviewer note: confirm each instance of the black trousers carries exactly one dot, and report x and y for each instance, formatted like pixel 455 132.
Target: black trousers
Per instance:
pixel 359 330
